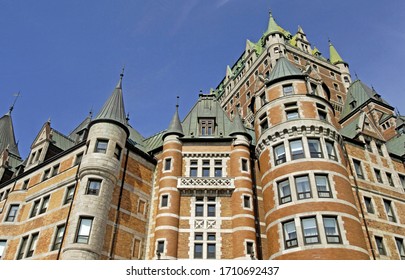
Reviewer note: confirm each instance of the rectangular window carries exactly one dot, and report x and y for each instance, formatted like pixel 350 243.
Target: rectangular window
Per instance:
pixel 93 187
pixel 12 213
pixel 369 205
pixel 367 145
pixel 284 191
pixel 78 159
pixel 323 116
pixel 380 245
pixel 83 234
pixel 358 169
pixel 297 150
pixel 262 99
pixel 330 147
pixel 389 178
pixel 303 187
pixel 206 127
pixel 322 186
pixel 165 201
pixel 246 201
pixel 211 210
pixel 55 170
pixel 218 168
pixel 35 207
pixel 250 250
pixel 60 230
pixel 21 250
pixel 33 245
pixel 401 247
pixel 101 146
pixel 310 230
pixel 2 247
pixel 290 235
pixel 264 124
pixel 25 185
pixel 279 154
pixel 378 175
pixel 292 114
pixel 315 148
pixel 244 166
pixel 288 89
pixel 193 168
pixel 117 152
pixel 331 229
pixel 44 205
pixel 168 164
pixel 389 211
pixel 69 194
pixel 199 210
pixel 198 250
pixel 211 251
pixel 379 149
pixel 46 174
pixel 160 246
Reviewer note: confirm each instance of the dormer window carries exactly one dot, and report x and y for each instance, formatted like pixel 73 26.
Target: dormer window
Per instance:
pixel 207 127
pixel 352 105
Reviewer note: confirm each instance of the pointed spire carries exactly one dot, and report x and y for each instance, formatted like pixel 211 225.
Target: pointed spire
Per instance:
pixel 272 26
pixel 175 126
pixel 238 128
pixel 113 108
pixel 229 72
pixel 300 30
pixel 334 56
pixel 7 137
pixel 15 100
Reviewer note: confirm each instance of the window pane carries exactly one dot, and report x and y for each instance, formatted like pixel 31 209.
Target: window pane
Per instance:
pixel 84 230
pixel 210 251
pixel 290 234
pixel 279 154
pixel 331 230
pixel 199 210
pixel 303 188
pixel 310 230
pixel 211 210
pixel 331 150
pixel 296 149
pixel 206 172
pixel 93 187
pixel 218 171
pixel 12 213
pixel 315 148
pixel 2 246
pixel 101 146
pixel 285 191
pixel 193 171
pixel 198 251
pixel 322 185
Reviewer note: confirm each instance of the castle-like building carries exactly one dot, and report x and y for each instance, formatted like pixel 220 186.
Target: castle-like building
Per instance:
pixel 287 158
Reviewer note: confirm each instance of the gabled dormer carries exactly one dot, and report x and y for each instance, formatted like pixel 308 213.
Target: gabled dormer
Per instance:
pixel 302 41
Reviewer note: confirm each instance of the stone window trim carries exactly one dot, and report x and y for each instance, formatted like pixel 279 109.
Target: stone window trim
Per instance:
pixel 321 186
pixel 369 204
pixel 380 245
pixel 93 186
pixel 390 211
pixel 78 158
pixel 58 236
pixel 12 213
pixel 142 206
pixel 358 169
pixel 84 228
pixel 164 201
pixel 25 251
pixel 161 247
pixel 244 165
pixel 39 206
pixel 400 247
pixel 167 164
pixel 196 167
pixel 101 145
pixel 247 202
pixel 205 245
pixel 250 248
pixel 69 194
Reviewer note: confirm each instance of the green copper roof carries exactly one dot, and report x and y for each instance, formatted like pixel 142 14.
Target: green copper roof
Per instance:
pixel 229 72
pixel 357 95
pixel 113 109
pixel 238 128
pixel 7 138
pixel 293 41
pixel 334 56
pixel 315 51
pixel 396 145
pixel 350 130
pixel 175 125
pixel 273 27
pixel 283 69
pixel 207 107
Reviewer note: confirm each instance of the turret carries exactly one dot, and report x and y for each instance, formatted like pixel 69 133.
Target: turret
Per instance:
pixel 274 39
pixel 98 175
pixel 337 60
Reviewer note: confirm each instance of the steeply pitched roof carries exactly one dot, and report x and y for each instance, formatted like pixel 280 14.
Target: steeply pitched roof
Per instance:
pixel 238 128
pixel 334 56
pixel 113 108
pixel 7 137
pixel 357 95
pixel 273 27
pixel 175 126
pixel 351 129
pixel 396 145
pixel 283 69
pixel 207 106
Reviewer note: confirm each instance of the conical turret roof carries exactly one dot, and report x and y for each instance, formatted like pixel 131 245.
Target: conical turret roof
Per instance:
pixel 113 108
pixel 283 69
pixel 238 128
pixel 334 56
pixel 175 126
pixel 7 138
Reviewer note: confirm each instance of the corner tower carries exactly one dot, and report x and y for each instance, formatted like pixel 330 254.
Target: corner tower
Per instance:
pixel 310 209
pixel 98 174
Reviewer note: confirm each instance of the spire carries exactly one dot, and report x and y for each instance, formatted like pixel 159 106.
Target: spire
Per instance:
pixel 272 27
pixel 7 137
pixel 15 100
pixel 238 128
pixel 334 56
pixel 300 30
pixel 175 126
pixel 229 72
pixel 113 108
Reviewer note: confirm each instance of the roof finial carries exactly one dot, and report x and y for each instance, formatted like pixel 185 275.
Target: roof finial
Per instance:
pixel 122 71
pixel 357 77
pixel 15 100
pixel 177 102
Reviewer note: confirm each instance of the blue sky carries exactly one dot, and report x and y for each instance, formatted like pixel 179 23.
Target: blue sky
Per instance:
pixel 65 57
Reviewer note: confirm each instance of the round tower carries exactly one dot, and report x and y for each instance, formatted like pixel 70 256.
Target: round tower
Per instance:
pixel 274 40
pixel 98 175
pixel 243 221
pixel 337 60
pixel 168 210
pixel 310 209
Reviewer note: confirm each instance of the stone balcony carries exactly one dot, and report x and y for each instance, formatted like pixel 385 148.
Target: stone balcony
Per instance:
pixel 206 185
